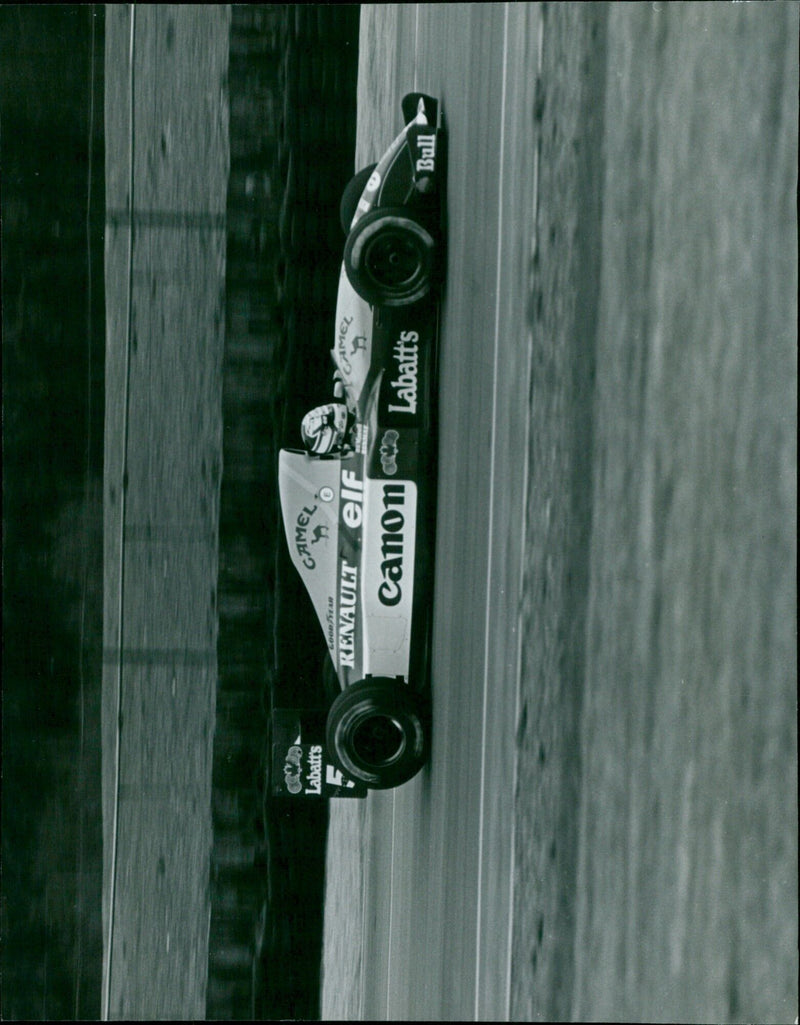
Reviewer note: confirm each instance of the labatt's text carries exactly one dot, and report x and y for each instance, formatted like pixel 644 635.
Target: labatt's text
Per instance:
pixel 406 352
pixel 315 770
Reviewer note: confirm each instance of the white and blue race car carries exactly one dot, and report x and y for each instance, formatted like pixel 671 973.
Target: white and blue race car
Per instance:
pixel 358 500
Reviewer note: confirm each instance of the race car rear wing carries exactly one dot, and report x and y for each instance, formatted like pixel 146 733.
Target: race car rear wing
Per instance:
pixel 414 103
pixel 299 766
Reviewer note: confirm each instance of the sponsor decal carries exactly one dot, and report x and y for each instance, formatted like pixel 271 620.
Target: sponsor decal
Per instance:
pixel 351 348
pixel 315 770
pixel 352 495
pixel 305 537
pixel 347 347
pixel 329 617
pixel 360 435
pixel 307 772
pixel 293 769
pixel 334 778
pixel 389 452
pixel 386 570
pixel 406 355
pixel 426 145
pixel 303 778
pixel 392 544
pixel 347 614
pixel 320 533
pixel 341 344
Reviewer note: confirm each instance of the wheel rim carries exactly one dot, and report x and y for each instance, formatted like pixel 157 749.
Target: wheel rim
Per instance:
pixel 393 261
pixel 378 740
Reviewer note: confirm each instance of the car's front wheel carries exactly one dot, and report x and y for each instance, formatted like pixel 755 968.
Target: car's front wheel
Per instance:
pixel 376 733
pixel 389 257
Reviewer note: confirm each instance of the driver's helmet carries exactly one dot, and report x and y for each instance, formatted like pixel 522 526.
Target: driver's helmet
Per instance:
pixel 323 429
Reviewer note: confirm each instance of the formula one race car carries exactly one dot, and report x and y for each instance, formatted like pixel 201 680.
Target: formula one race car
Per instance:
pixel 358 500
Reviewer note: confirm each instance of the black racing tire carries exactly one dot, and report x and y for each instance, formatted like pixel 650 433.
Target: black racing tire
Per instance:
pixel 351 195
pixel 376 733
pixel 389 257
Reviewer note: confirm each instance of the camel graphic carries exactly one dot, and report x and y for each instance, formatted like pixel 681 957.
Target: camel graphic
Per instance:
pixel 319 533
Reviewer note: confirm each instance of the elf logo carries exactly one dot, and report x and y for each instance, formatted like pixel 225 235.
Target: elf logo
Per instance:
pixel 352 494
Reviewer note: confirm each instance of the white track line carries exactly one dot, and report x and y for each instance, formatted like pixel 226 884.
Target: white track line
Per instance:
pixel 123 497
pixel 364 868
pixel 391 906
pixel 490 567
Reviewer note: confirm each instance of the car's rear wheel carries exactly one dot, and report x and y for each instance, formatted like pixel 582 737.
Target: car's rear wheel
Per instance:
pixel 389 257
pixel 351 195
pixel 376 733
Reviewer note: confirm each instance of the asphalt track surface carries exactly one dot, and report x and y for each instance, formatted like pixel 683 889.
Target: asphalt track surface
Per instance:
pixel 607 828
pixel 437 890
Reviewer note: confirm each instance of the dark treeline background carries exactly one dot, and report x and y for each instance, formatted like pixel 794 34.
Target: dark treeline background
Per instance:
pixel 51 63
pixel 292 84
pixel 292 94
